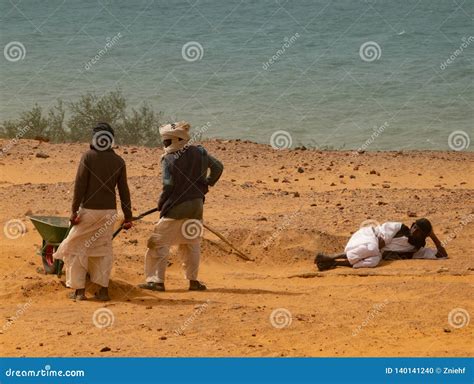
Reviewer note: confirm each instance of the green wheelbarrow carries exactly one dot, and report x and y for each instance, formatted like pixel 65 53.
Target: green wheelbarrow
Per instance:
pixel 53 230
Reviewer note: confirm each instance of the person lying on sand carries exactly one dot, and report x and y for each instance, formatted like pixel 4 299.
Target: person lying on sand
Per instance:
pixel 368 245
pixel 88 246
pixel 185 183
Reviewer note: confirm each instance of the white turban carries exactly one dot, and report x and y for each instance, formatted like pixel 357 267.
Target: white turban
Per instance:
pixel 175 132
pixel 178 130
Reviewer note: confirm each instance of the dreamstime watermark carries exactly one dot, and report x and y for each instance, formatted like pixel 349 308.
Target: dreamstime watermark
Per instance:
pixel 14 51
pixel 14 229
pixel 288 42
pixel 370 51
pixel 281 318
pixel 466 42
pixel 453 234
pixel 284 225
pixel 199 310
pixel 19 312
pixel 377 131
pixel 196 136
pixel 12 142
pixel 376 310
pixel 281 140
pixel 103 140
pixel 45 372
pixel 458 318
pixel 459 141
pixel 110 43
pixel 102 230
pixel 192 229
pixel 103 318
pixel 192 51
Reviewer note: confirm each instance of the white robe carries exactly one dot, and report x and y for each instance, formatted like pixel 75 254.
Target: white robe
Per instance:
pixel 363 251
pixel 88 248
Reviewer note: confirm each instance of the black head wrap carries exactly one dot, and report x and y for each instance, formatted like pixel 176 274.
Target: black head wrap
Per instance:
pixel 424 225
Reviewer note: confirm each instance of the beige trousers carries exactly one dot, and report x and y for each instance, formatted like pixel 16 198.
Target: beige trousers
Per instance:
pixel 88 248
pixel 186 234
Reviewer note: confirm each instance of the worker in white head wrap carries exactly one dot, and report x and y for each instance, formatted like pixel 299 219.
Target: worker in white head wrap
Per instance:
pixel 186 180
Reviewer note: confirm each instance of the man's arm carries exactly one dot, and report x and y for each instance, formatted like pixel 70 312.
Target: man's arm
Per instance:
pixel 441 251
pixel 124 193
pixel 80 188
pixel 216 169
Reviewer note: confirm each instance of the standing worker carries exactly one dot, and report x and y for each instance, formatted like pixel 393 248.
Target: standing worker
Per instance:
pixel 88 246
pixel 185 183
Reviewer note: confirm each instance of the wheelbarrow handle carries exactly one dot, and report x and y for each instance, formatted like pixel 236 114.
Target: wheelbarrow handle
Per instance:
pixel 139 217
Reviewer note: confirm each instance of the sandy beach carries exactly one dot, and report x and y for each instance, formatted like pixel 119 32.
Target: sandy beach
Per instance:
pixel 277 206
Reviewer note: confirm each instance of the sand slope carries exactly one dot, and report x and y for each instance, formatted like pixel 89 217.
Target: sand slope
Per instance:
pixel 278 214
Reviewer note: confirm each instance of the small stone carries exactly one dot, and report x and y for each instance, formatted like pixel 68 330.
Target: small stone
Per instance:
pixel 333 184
pixel 105 349
pixel 373 172
pixel 300 169
pixel 42 155
pixel 385 186
pixel 447 330
pixel 163 338
pixel 352 176
pixel 411 214
pixel 296 194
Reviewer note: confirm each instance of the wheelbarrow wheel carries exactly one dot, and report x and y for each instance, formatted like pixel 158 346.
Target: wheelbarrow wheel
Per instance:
pixel 50 265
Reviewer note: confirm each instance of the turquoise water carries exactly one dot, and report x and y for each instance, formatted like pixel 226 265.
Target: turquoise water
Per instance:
pixel 316 87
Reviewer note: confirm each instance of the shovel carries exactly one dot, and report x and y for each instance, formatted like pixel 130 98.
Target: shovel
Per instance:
pixel 220 236
pixel 139 217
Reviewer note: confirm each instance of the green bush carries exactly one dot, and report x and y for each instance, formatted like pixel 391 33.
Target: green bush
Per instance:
pixel 137 127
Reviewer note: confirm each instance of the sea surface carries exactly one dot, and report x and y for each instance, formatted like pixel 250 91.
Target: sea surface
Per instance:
pixel 375 75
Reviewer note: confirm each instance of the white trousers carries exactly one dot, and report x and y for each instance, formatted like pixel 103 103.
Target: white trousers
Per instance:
pixel 99 269
pixel 362 250
pixel 88 248
pixel 186 234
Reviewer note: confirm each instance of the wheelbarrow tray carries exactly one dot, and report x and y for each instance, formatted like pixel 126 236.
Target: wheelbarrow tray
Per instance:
pixel 53 229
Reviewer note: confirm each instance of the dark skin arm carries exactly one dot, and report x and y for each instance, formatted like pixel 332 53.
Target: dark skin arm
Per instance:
pixel 441 251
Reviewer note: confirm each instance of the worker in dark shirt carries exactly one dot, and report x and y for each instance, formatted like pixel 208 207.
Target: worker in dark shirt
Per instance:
pixel 88 246
pixel 187 171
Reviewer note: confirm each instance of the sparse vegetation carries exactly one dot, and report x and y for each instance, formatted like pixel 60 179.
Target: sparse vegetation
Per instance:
pixel 137 127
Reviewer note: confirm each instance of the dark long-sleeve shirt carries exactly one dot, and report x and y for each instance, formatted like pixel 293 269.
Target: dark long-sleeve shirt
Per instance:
pixel 98 174
pixel 186 179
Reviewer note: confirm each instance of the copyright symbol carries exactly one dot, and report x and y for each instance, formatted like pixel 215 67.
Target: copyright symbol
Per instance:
pixel 438 370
